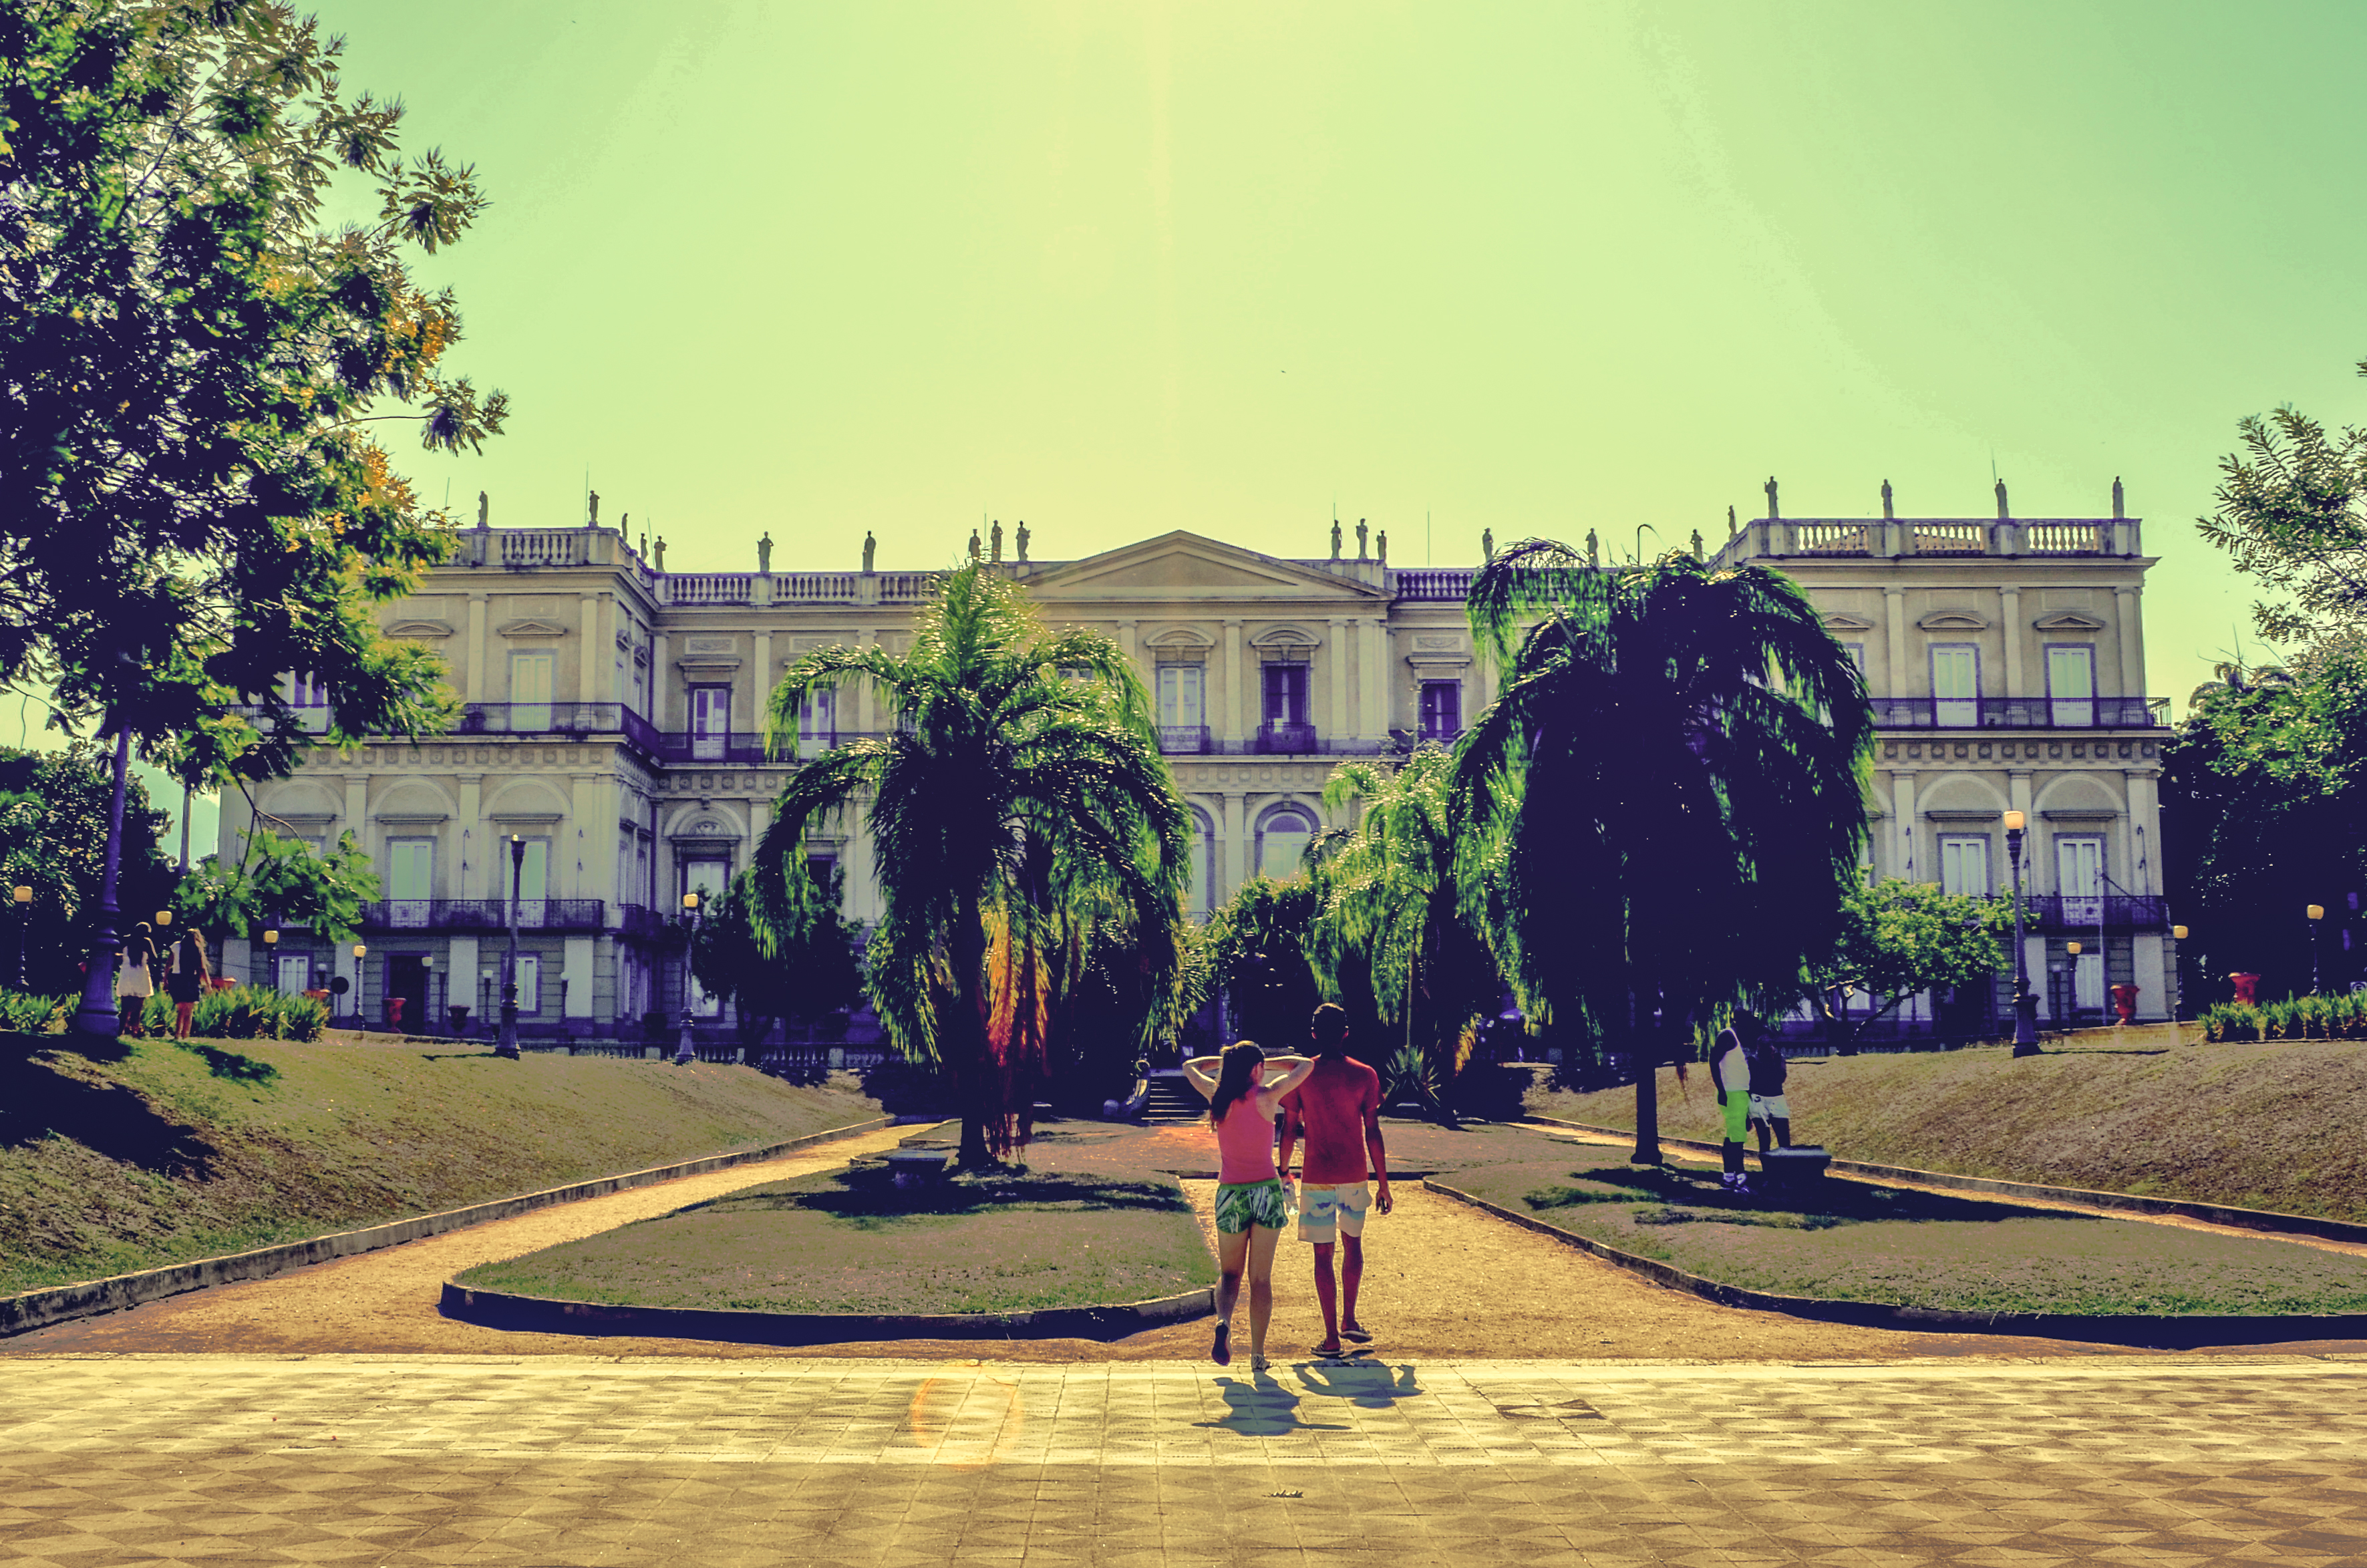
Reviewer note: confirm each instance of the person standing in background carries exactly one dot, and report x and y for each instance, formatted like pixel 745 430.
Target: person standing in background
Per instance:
pixel 135 980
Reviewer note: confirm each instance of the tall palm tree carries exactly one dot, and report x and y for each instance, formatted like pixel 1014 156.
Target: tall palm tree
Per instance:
pixel 1019 805
pixel 1666 802
pixel 1394 921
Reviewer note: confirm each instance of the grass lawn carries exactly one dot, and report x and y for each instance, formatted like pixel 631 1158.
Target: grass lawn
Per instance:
pixel 2259 1125
pixel 150 1154
pixel 1868 1243
pixel 1064 1234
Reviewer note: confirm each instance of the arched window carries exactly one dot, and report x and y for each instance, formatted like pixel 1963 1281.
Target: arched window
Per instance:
pixel 1283 835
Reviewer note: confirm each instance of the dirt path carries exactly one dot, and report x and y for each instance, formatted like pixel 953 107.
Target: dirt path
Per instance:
pixel 1441 1281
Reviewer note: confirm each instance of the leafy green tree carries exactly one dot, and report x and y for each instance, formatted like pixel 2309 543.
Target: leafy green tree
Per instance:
pixel 1663 812
pixel 1260 945
pixel 282 883
pixel 807 977
pixel 1898 938
pixel 53 813
pixel 1395 920
pixel 2264 797
pixel 1019 805
pixel 2291 512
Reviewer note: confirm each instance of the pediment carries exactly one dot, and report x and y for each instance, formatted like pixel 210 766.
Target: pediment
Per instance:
pixel 2067 620
pixel 1186 565
pixel 530 629
pixel 416 629
pixel 1841 620
pixel 1953 620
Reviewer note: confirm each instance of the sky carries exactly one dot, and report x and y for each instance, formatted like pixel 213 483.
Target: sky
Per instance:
pixel 1113 270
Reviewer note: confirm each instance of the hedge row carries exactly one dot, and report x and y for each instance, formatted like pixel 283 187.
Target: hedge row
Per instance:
pixel 243 1012
pixel 2342 1016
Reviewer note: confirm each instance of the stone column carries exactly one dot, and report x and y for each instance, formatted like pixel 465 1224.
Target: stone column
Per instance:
pixel 661 684
pixel 472 832
pixel 2129 615
pixel 2009 602
pixel 1235 829
pixel 1894 602
pixel 1231 712
pixel 1902 805
pixel 475 691
pixel 1373 681
pixel 1335 657
pixel 596 657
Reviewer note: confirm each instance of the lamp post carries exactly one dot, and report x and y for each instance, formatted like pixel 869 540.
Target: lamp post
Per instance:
pixel 361 951
pixel 96 1015
pixel 270 952
pixel 685 1050
pixel 2074 949
pixel 2316 914
pixel 2177 974
pixel 507 1044
pixel 23 896
pixel 2025 1005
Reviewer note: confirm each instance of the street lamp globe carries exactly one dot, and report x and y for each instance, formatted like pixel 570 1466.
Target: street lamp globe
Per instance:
pixel 2013 821
pixel 2071 948
pixel 2177 933
pixel 164 917
pixel 21 893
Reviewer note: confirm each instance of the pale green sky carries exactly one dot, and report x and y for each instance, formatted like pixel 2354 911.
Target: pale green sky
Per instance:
pixel 1117 270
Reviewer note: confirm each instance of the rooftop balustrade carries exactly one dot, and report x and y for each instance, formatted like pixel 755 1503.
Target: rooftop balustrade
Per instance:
pixel 1947 537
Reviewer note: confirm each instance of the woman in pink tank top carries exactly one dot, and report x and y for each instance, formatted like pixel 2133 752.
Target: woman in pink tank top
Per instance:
pixel 1242 1102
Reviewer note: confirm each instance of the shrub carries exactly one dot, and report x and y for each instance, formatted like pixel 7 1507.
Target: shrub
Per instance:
pixel 23 1014
pixel 243 1012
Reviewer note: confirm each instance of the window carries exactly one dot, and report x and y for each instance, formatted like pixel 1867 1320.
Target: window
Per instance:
pixel 1442 709
pixel 710 722
pixel 1964 866
pixel 1956 686
pixel 529 982
pixel 295 974
pixel 1282 836
pixel 2079 880
pixel 1202 849
pixel 1286 696
pixel 817 723
pixel 308 695
pixel 2088 981
pixel 410 872
pixel 2071 684
pixel 530 686
pixel 1182 693
pixel 821 869
pixel 707 877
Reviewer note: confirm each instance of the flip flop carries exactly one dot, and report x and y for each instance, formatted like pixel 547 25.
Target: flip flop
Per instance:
pixel 1329 1352
pixel 1359 1335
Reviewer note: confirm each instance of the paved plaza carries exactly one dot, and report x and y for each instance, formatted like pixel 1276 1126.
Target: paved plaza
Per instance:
pixel 537 1462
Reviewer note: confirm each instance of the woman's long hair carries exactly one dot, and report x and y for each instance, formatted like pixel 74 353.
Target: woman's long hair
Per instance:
pixel 1236 1077
pixel 193 952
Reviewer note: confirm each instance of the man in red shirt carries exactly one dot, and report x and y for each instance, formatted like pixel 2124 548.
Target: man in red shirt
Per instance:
pixel 1338 1111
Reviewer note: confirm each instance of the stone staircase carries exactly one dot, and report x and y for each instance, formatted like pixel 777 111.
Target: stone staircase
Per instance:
pixel 1172 1100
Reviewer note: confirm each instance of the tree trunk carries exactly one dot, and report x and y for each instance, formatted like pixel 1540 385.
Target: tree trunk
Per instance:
pixel 1647 1089
pixel 973 1074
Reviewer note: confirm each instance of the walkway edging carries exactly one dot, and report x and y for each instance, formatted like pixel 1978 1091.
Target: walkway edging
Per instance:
pixel 2215 1214
pixel 2155 1333
pixel 92 1297
pixel 508 1309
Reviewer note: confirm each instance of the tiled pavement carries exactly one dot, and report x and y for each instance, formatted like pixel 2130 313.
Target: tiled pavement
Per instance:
pixel 543 1462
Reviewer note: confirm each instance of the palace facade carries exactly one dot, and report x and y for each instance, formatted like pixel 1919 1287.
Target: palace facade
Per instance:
pixel 612 716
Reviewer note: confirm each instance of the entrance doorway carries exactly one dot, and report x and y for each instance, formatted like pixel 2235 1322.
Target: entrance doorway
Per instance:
pixel 406 979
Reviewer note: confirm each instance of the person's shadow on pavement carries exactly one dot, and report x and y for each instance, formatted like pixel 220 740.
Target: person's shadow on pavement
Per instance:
pixel 1261 1408
pixel 1369 1385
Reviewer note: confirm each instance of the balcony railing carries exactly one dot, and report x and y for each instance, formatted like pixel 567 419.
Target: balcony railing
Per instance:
pixel 2017 713
pixel 482 914
pixel 1183 740
pixel 1446 585
pixel 638 920
pixel 1277 739
pixel 2118 912
pixel 676 746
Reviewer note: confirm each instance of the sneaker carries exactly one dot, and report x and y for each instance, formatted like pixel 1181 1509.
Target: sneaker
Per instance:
pixel 1221 1353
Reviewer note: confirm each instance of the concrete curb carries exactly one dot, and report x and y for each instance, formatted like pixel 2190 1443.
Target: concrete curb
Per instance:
pixel 504 1309
pixel 2151 1333
pixel 2267 1220
pixel 64 1303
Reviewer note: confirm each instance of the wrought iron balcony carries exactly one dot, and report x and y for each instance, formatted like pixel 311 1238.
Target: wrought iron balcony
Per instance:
pixel 1275 738
pixel 1183 740
pixel 743 746
pixel 556 719
pixel 2021 712
pixel 2116 912
pixel 482 914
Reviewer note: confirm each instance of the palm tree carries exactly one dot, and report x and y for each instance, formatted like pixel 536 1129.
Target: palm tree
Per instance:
pixel 1019 807
pixel 1661 811
pixel 1394 921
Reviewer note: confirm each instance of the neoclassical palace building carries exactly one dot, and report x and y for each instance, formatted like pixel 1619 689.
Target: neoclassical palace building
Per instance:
pixel 612 717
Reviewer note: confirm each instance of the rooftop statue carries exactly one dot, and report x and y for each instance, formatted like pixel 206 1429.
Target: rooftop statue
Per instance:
pixel 1773 509
pixel 1021 539
pixel 1382 555
pixel 1364 541
pixel 595 509
pixel 1593 551
pixel 765 553
pixel 997 540
pixel 1335 538
pixel 1487 544
pixel 661 562
pixel 1887 513
pixel 870 548
pixel 2002 513
pixel 485 508
pixel 973 544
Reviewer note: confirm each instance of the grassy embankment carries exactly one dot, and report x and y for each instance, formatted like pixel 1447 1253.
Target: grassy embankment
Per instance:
pixel 1859 1243
pixel 1073 1230
pixel 165 1154
pixel 2258 1125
